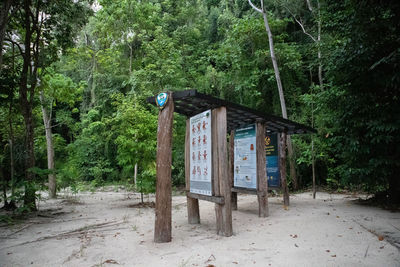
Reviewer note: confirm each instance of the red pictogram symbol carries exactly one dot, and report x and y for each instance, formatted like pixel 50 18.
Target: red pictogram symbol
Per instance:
pixel 205 125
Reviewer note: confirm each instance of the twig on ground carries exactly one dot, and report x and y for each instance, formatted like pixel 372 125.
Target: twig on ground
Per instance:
pixel 78 231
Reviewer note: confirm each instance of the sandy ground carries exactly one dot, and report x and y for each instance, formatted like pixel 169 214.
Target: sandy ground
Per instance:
pixel 104 229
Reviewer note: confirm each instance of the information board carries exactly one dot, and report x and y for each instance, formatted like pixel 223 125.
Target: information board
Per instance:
pixel 271 149
pixel 200 154
pixel 245 159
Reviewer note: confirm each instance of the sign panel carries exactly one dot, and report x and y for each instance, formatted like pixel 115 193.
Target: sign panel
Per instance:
pixel 271 149
pixel 245 159
pixel 200 154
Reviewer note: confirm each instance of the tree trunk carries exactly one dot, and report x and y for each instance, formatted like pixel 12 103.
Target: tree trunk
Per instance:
pixel 312 147
pixel 130 58
pixel 26 109
pixel 11 142
pixel 319 46
pixel 50 147
pixel 292 163
pixel 3 179
pixel 279 84
pixel 394 189
pixel 4 16
pixel 135 174
pixel 93 87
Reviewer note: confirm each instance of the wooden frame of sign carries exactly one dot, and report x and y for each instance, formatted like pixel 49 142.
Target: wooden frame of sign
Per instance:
pixel 221 185
pixel 262 186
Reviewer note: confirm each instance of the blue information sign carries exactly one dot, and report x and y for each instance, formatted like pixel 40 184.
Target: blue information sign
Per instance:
pixel 271 149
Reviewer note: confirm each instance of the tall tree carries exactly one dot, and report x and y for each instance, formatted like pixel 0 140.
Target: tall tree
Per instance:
pixel 54 88
pixel 361 105
pixel 40 30
pixel 279 84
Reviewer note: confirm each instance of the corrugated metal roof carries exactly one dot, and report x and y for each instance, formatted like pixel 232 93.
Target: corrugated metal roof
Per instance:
pixel 191 102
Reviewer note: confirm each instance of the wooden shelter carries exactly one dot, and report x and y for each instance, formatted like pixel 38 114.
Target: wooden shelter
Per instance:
pixel 224 117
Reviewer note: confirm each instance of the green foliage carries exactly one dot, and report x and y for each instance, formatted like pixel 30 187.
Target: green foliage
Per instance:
pixel 130 50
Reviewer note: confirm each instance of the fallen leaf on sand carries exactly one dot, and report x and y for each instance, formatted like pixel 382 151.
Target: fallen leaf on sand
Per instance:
pixel 380 238
pixel 328 250
pixel 111 261
pixel 235 262
pixel 333 256
pixel 381 247
pixel 296 245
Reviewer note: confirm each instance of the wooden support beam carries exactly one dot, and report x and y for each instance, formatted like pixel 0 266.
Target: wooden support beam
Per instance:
pixel 215 176
pixel 262 184
pixel 215 199
pixel 162 228
pixel 220 171
pixel 192 203
pixel 231 169
pixel 282 167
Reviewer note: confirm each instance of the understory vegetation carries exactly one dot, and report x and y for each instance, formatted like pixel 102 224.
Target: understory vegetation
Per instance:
pixel 75 76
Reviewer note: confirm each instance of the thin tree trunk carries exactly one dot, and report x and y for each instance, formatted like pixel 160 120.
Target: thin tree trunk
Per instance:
pixel 292 163
pixel 50 146
pixel 93 87
pixel 11 142
pixel 130 58
pixel 4 17
pixel 282 167
pixel 319 46
pixel 312 146
pixel 4 185
pixel 135 174
pixel 3 180
pixel 280 87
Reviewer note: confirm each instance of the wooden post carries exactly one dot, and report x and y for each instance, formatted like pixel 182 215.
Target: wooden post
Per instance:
pixel 220 171
pixel 231 168
pixel 282 166
pixel 192 203
pixel 162 229
pixel 262 184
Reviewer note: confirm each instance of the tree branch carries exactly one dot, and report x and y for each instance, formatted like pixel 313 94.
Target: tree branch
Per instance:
pixel 255 8
pixel 301 25
pixel 17 44
pixel 309 5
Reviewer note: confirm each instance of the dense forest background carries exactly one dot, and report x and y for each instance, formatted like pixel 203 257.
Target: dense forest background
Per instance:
pixel 75 75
